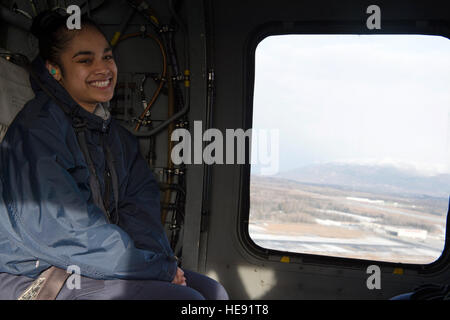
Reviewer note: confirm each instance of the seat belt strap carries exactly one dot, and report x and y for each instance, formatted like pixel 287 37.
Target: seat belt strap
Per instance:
pixel 113 179
pixel 47 286
pixel 93 178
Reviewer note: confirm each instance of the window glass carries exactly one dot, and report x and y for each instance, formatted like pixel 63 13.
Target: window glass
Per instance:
pixel 363 140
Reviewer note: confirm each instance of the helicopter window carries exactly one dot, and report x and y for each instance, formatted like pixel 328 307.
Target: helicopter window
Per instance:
pixel 364 146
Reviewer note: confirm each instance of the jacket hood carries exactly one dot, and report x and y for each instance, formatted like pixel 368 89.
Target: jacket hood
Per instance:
pixel 93 121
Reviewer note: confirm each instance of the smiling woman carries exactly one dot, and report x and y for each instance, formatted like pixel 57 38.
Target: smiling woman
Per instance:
pixel 88 60
pixel 74 188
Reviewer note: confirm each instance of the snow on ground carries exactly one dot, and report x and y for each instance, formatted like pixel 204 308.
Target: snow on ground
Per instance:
pixel 375 247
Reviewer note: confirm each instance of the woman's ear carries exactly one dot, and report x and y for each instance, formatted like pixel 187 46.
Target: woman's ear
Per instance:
pixel 54 70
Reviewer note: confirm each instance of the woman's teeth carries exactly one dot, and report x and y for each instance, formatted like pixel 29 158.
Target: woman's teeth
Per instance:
pixel 101 84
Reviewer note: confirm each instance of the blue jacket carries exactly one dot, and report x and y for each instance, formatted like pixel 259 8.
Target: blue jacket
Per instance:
pixel 47 215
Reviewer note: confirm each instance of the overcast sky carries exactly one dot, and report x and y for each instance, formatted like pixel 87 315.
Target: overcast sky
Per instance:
pixel 371 99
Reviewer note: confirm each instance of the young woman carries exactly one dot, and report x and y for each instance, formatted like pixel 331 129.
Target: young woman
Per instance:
pixel 75 190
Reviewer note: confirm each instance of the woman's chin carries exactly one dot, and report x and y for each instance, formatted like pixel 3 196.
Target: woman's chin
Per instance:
pixel 104 98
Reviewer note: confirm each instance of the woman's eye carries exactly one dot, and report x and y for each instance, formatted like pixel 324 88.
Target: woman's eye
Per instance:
pixel 108 57
pixel 84 61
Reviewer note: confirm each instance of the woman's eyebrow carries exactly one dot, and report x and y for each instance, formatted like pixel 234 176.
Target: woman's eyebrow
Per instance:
pixel 80 53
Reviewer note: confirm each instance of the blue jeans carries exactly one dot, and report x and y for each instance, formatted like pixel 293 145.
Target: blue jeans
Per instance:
pixel 199 287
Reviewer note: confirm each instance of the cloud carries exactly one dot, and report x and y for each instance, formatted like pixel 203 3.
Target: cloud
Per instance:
pixel 355 97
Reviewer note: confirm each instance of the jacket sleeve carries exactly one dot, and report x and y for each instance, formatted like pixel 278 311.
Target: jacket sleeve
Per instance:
pixel 44 210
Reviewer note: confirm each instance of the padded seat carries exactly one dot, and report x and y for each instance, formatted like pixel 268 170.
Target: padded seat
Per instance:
pixel 15 92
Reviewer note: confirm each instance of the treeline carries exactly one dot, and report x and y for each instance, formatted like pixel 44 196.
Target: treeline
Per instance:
pixel 272 203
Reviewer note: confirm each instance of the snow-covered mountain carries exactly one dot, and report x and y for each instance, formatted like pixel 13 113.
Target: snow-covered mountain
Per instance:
pixel 385 178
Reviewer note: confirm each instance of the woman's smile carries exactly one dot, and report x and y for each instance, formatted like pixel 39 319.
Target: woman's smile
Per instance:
pixel 101 84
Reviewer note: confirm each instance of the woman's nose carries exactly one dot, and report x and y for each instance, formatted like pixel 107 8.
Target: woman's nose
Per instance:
pixel 103 67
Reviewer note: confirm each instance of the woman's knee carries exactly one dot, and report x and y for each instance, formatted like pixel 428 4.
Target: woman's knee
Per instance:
pixel 208 287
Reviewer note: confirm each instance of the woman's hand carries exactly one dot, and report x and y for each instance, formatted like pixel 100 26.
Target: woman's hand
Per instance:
pixel 179 278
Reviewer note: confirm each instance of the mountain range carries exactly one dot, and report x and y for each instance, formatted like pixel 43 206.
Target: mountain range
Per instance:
pixel 372 178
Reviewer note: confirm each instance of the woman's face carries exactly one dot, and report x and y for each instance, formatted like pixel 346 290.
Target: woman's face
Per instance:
pixel 90 73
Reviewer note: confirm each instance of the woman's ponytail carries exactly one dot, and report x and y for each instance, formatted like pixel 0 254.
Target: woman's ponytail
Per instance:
pixel 49 27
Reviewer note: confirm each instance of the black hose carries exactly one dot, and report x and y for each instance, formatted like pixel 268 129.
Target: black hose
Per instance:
pixel 184 31
pixel 163 125
pixel 187 60
pixel 173 60
pixel 187 98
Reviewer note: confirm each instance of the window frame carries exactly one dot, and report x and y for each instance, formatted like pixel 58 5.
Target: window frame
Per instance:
pixel 319 28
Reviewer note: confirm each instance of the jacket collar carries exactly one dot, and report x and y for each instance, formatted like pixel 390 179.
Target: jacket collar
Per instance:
pixel 93 121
